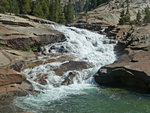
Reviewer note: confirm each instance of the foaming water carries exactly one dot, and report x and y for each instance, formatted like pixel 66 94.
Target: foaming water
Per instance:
pixel 95 49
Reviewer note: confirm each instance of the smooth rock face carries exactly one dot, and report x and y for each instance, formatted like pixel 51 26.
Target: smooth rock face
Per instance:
pixel 28 32
pixel 13 59
pixel 131 70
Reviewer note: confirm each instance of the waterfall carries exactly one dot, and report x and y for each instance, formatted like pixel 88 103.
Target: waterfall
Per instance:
pixel 80 44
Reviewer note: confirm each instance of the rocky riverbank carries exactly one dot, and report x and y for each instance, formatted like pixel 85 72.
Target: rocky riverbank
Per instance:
pixel 22 39
pixel 131 70
pixel 19 37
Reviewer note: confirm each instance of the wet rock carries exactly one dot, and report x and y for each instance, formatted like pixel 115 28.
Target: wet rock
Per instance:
pixel 124 77
pixel 71 65
pixel 18 66
pixel 53 47
pixel 26 85
pixel 42 79
pixel 62 49
pixel 69 79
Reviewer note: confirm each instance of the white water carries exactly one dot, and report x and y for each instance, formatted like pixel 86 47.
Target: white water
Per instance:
pixel 87 46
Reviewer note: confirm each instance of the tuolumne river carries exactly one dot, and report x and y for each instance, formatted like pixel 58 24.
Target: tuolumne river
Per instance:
pixel 83 95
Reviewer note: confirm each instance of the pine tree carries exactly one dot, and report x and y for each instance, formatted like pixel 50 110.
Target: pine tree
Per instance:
pixel 124 17
pixel 37 9
pixel 86 9
pixel 62 19
pixel 127 16
pixel 69 12
pixel 122 20
pixel 52 9
pixel 25 6
pixel 147 15
pixel 93 4
pixel 57 11
pixel 14 7
pixel 138 17
pixel 4 6
pixel 86 6
pixel 45 8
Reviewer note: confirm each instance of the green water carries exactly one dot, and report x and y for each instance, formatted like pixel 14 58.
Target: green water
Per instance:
pixel 95 100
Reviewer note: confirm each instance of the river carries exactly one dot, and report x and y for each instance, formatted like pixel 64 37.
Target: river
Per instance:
pixel 84 95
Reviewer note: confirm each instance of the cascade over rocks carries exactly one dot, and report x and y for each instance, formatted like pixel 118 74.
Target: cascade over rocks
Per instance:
pixel 18 36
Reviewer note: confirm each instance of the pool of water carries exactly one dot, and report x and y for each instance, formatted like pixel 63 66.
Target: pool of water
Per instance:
pixel 94 100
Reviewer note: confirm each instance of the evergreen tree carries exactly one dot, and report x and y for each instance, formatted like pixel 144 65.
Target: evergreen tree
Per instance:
pixel 127 16
pixel 45 8
pixel 14 7
pixel 147 15
pixel 4 6
pixel 69 12
pixel 93 3
pixel 25 6
pixel 86 9
pixel 124 17
pixel 62 19
pixel 122 20
pixel 52 9
pixel 57 11
pixel 48 9
pixel 37 9
pixel 80 6
pixel 138 17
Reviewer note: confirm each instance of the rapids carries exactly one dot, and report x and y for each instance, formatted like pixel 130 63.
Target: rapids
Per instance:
pixel 93 48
